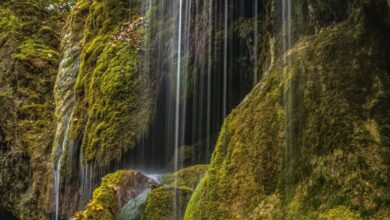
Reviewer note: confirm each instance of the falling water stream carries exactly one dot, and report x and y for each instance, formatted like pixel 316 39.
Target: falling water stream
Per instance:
pixel 177 110
pixel 57 171
pixel 225 59
pixel 287 44
pixel 256 43
pixel 193 65
pixel 290 124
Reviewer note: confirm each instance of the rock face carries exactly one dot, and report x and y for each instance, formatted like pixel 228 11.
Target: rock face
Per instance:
pixel 114 192
pixel 130 195
pixel 64 152
pixel 132 209
pixel 29 57
pixel 170 201
pixel 102 94
pixel 113 96
pixel 166 203
pixel 312 139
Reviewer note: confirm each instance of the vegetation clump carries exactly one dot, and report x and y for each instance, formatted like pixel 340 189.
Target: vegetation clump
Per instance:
pixel 29 48
pixel 115 190
pixel 311 140
pixel 114 100
pixel 166 203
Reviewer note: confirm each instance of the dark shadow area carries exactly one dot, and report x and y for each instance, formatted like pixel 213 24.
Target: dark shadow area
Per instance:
pixel 5 215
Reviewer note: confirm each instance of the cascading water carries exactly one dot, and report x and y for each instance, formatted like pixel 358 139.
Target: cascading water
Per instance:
pixel 256 43
pixel 225 59
pixel 198 81
pixel 287 43
pixel 194 79
pixel 177 108
pixel 178 84
pixel 209 72
pixel 65 99
pixel 57 171
pixel 287 24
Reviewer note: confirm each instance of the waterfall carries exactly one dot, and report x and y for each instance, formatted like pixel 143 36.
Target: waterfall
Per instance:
pixel 65 99
pixel 286 24
pixel 289 90
pixel 86 180
pixel 209 72
pixel 256 43
pixel 177 109
pixel 287 43
pixel 155 177
pixel 178 84
pixel 225 60
pixel 188 54
pixel 194 70
pixel 57 171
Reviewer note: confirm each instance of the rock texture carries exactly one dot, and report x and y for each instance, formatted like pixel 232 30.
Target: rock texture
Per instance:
pixel 114 192
pixel 312 139
pixel 114 101
pixel 29 57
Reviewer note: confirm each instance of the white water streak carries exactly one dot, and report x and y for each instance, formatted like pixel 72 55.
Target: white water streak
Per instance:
pixel 255 63
pixel 225 61
pixel 177 110
pixel 57 172
pixel 209 72
pixel 287 43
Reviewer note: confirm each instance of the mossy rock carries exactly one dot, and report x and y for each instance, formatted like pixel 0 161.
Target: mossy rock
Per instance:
pixel 8 22
pixel 313 136
pixel 114 105
pixel 36 53
pixel 115 190
pixel 187 177
pixel 339 213
pixel 29 39
pixel 166 203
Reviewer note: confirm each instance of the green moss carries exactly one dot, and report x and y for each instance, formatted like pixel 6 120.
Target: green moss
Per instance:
pixel 188 177
pixel 269 208
pixel 104 204
pixel 114 100
pixel 8 22
pixel 166 203
pixel 312 136
pixel 36 53
pixel 28 67
pixel 339 213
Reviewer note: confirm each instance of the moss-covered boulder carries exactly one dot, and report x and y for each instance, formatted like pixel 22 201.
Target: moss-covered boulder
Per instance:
pixel 166 203
pixel 114 101
pixel 312 139
pixel 115 190
pixel 170 201
pixel 339 213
